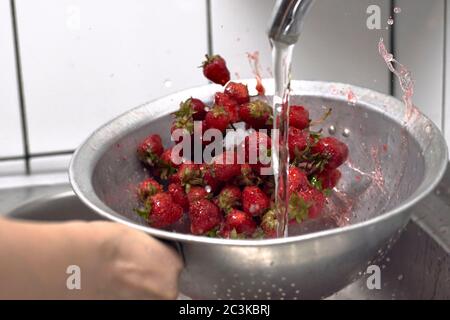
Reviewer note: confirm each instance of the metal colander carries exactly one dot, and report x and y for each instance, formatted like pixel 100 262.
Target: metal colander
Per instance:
pixel 392 166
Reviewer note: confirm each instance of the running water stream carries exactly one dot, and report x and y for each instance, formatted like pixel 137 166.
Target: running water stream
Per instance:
pixel 282 59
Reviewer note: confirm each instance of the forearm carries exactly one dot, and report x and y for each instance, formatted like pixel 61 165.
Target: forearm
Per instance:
pixel 34 258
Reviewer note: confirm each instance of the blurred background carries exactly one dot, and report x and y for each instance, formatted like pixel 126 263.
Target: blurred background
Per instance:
pixel 68 66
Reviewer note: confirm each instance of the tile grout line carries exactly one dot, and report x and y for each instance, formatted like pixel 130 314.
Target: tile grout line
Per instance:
pixel 209 28
pixel 23 115
pixel 39 155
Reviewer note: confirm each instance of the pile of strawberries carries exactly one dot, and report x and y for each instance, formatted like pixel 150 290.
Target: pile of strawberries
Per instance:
pixel 227 199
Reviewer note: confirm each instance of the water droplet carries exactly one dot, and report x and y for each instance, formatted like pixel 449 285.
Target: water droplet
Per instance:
pixel 428 129
pixel 332 130
pixel 397 10
pixel 390 21
pixel 400 277
pixel 168 83
pixel 346 132
pixel 209 189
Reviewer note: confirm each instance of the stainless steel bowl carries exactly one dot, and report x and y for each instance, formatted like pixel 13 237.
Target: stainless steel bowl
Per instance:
pixel 392 166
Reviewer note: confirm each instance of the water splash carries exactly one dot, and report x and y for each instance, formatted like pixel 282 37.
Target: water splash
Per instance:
pixel 253 59
pixel 404 77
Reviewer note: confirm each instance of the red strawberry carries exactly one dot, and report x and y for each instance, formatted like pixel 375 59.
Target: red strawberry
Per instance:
pixel 268 185
pixel 215 69
pixel 225 167
pixel 197 193
pixel 204 216
pixel 247 177
pixel 257 114
pixel 254 201
pixel 169 159
pixel 334 151
pixel 239 221
pixel 228 198
pixel 148 188
pixel 257 148
pixel 269 224
pixel 238 92
pixel 199 109
pixel 306 204
pixel 298 181
pixel 298 141
pixel 191 108
pixel 150 149
pixel 329 179
pixel 168 164
pixel 178 195
pixel 189 173
pixel 218 118
pixel 161 211
pixel 208 178
pixel 298 117
pixel 229 104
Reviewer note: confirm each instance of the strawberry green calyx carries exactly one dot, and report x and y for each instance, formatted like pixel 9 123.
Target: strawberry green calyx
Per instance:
pixel 226 202
pixel 259 109
pixel 218 111
pixel 269 220
pixel 149 191
pixel 185 111
pixel 213 233
pixel 151 158
pixel 258 234
pixel 316 183
pixel 144 211
pixel 209 59
pixel 186 124
pixel 298 208
pixel 236 236
pixel 191 177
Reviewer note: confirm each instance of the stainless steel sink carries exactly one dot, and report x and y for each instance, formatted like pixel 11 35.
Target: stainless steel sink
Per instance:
pixel 416 267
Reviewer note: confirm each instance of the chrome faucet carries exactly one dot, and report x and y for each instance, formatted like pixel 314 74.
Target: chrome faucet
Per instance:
pixel 287 20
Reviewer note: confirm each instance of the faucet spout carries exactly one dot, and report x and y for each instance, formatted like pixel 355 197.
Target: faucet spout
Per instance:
pixel 287 20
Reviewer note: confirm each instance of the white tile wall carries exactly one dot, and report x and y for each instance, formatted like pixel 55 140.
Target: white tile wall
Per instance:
pixel 336 44
pixel 10 132
pixel 85 61
pixel 420 47
pixel 50 164
pixel 12 168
